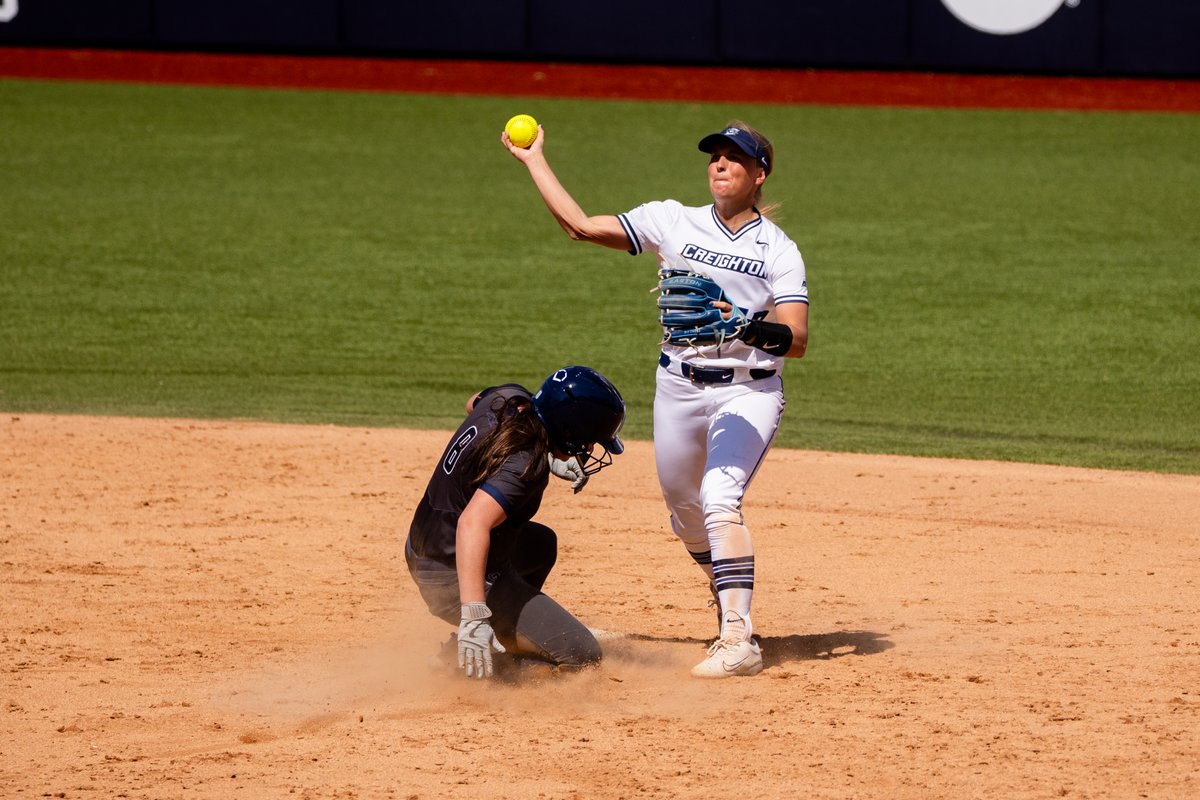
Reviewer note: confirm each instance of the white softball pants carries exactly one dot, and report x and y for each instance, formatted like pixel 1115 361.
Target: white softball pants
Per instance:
pixel 709 441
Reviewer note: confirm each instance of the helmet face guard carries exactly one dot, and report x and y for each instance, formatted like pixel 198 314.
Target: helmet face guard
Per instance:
pixel 591 464
pixel 581 409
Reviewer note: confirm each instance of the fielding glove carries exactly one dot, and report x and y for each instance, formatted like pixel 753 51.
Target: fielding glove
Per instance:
pixel 686 312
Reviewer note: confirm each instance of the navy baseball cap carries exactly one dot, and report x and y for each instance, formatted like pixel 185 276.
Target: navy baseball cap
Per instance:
pixel 744 141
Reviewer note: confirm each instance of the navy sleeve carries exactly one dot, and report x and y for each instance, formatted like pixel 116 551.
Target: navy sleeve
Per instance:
pixel 505 485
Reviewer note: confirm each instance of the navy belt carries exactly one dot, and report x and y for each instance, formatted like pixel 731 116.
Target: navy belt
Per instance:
pixel 714 375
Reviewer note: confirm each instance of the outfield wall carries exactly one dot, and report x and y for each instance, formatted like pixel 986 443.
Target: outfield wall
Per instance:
pixel 1080 37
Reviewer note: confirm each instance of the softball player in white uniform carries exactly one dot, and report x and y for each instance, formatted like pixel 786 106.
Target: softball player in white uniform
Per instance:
pixel 716 408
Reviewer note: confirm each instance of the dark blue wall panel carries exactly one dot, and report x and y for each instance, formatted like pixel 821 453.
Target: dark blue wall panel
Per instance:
pixel 248 23
pixel 1068 42
pixel 624 30
pixel 1084 37
pixel 105 22
pixel 460 27
pixel 870 33
pixel 1145 37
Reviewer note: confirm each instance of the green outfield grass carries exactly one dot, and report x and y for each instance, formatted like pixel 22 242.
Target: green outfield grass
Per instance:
pixel 1010 285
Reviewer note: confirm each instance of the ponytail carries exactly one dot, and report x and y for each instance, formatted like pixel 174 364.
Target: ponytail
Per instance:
pixel 517 429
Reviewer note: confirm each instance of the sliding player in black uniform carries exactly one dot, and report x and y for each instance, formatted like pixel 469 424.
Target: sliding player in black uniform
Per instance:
pixel 473 550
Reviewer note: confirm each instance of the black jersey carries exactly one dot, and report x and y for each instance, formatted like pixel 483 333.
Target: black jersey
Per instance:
pixel 432 532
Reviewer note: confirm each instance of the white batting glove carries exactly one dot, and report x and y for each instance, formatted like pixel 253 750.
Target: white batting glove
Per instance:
pixel 476 641
pixel 569 470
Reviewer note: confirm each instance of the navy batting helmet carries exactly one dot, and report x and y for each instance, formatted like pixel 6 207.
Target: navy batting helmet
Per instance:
pixel 580 407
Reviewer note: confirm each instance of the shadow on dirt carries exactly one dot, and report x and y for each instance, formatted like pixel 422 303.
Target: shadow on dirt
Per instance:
pixel 630 650
pixel 819 646
pixel 800 647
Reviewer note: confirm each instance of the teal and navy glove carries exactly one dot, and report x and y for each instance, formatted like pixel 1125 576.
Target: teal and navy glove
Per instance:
pixel 686 312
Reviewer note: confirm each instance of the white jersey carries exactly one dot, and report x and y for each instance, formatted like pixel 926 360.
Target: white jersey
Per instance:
pixel 759 268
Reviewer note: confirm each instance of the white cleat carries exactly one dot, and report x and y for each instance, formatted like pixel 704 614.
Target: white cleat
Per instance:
pixel 733 654
pixel 727 659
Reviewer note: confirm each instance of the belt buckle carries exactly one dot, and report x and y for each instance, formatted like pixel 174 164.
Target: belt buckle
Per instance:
pixel 707 375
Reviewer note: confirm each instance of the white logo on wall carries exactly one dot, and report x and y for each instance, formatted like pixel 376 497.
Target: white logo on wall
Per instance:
pixel 8 10
pixel 1004 17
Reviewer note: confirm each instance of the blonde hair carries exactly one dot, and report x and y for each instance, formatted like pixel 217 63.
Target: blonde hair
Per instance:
pixel 768 210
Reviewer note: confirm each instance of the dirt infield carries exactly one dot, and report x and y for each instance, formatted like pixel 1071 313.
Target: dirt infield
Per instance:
pixel 221 609
pixel 196 609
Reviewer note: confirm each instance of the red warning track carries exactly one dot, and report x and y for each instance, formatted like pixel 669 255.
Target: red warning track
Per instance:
pixel 700 84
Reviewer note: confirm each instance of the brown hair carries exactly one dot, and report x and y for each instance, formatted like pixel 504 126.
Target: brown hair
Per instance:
pixel 769 210
pixel 517 429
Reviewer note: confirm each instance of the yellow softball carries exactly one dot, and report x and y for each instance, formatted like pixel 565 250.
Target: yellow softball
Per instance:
pixel 522 130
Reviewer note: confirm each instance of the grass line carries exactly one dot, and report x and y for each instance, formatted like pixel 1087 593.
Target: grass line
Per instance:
pixel 985 284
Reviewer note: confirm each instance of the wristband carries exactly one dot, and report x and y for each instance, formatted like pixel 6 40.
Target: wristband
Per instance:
pixel 770 337
pixel 473 611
